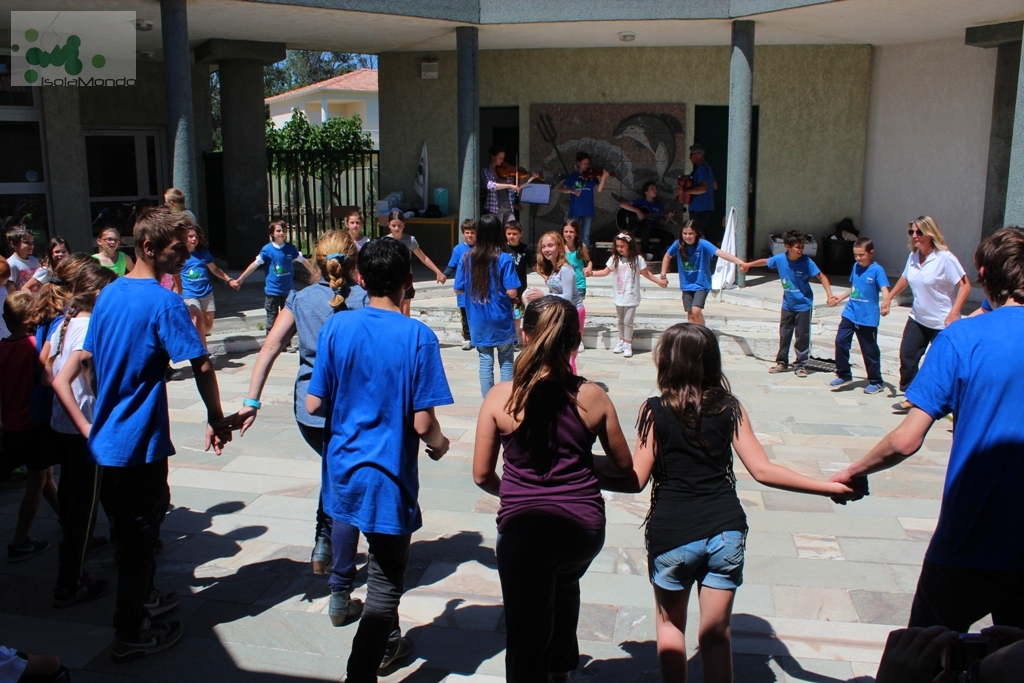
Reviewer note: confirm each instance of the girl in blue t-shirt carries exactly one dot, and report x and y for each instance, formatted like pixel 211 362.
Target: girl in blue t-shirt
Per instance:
pixel 578 256
pixel 693 256
pixel 488 277
pixel 196 288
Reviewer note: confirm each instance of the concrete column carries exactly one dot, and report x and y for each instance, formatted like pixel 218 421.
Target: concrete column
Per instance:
pixel 741 103
pixel 1004 101
pixel 468 62
pixel 178 85
pixel 245 158
pixel 1015 175
pixel 68 173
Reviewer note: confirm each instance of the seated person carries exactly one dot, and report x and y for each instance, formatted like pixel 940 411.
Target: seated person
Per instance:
pixel 649 227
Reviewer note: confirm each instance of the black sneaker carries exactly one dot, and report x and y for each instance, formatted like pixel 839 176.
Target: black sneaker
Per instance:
pixel 89 590
pixel 27 550
pixel 155 637
pixel 160 603
pixel 15 478
pixel 343 609
pixel 397 650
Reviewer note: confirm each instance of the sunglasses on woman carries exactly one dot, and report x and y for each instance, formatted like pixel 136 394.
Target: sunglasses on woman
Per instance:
pixel 915 231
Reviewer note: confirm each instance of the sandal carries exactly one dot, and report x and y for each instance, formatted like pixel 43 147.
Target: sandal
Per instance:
pixel 801 372
pixel 902 407
pixel 777 368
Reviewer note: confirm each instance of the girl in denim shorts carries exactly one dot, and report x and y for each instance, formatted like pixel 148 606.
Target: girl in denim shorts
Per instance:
pixel 696 528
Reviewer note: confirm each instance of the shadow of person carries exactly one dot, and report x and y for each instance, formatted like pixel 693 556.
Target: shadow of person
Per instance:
pixel 640 665
pixel 443 555
pixel 458 640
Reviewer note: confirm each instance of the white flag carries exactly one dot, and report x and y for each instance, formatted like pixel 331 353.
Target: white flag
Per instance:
pixel 420 184
pixel 725 271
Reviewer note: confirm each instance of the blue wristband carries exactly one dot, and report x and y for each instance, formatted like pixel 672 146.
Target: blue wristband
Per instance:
pixel 252 403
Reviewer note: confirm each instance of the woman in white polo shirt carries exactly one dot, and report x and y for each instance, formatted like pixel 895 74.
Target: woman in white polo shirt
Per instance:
pixel 932 273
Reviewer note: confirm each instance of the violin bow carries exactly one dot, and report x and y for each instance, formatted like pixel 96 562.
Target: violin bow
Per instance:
pixel 547 131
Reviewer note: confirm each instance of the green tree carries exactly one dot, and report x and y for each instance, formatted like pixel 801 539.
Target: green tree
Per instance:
pixel 305 67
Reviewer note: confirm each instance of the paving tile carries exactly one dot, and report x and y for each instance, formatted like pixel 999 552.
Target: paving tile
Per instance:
pixel 823 604
pixel 882 608
pixel 815 547
pixel 818 573
pixel 883 550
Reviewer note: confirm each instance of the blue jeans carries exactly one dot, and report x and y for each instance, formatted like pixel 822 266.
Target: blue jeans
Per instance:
pixel 868 339
pixel 585 222
pixel 505 357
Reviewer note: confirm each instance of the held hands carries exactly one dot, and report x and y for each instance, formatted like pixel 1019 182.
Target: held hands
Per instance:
pixel 744 267
pixel 235 284
pixel 218 432
pixel 833 301
pixel 245 417
pixel 441 278
pixel 857 486
pixel 588 272
pixel 663 281
pixel 884 308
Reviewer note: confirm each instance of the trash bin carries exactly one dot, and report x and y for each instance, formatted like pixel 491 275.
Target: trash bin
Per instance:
pixel 838 256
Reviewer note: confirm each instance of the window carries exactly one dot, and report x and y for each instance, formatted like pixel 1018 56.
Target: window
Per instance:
pixel 125 168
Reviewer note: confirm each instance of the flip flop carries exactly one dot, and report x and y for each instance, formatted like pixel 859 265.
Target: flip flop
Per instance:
pixel 902 407
pixel 778 367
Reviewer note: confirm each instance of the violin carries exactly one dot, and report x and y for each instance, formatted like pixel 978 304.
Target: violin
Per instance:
pixel 595 173
pixel 510 172
pixel 684 183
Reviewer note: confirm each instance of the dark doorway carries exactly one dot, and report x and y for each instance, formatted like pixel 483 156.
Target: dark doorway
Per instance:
pixel 711 129
pixel 499 126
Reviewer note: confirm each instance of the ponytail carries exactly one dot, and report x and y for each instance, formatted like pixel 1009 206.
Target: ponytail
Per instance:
pixel 336 258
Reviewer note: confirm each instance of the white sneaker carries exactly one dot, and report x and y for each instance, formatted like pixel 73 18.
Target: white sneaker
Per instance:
pixel 580 349
pixel 619 347
pixel 467 345
pixel 627 350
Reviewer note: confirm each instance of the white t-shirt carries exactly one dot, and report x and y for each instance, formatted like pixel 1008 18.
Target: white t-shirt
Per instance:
pixel 933 284
pixel 22 270
pixel 4 332
pixel 627 280
pixel 81 388
pixel 42 276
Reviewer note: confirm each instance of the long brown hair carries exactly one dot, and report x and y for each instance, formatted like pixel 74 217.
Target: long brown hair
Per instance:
pixel 336 258
pixel 578 244
pixel 84 289
pixel 683 253
pixel 542 379
pixel 543 266
pixel 483 257
pixel 53 297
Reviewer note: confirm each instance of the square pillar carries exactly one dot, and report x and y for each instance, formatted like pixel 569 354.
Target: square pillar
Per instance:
pixel 178 85
pixel 741 104
pixel 468 68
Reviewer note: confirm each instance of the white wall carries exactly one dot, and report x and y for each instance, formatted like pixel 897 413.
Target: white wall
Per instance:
pixel 929 118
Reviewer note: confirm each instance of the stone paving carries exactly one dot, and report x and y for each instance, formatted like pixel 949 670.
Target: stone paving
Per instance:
pixel 823 583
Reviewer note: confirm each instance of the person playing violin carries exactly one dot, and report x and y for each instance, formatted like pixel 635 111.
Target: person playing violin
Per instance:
pixel 702 190
pixel 643 207
pixel 501 196
pixel 580 187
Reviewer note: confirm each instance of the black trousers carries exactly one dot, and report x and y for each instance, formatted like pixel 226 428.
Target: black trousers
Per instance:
pixel 273 305
pixel 956 597
pixel 137 498
pixel 800 323
pixel 78 492
pixel 867 337
pixel 378 627
pixel 540 563
pixel 916 338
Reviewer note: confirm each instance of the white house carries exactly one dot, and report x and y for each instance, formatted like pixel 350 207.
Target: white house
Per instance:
pixel 345 95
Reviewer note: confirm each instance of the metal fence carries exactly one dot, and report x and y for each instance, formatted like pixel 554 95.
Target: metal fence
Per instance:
pixel 304 187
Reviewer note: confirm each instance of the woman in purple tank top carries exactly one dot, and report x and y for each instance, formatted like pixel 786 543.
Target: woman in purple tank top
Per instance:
pixel 551 516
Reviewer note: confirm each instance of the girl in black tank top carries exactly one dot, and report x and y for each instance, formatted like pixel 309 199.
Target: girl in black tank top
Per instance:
pixel 696 528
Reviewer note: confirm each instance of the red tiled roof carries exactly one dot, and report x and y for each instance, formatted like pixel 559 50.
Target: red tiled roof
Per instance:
pixel 360 80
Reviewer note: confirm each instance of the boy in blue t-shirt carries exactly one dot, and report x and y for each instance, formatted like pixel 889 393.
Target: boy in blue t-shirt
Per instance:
pixel 795 273
pixel 454 265
pixel 581 186
pixel 276 258
pixel 861 317
pixel 975 560
pixel 377 410
pixel 137 327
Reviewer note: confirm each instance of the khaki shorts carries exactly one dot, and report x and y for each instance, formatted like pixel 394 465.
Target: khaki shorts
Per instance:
pixel 203 303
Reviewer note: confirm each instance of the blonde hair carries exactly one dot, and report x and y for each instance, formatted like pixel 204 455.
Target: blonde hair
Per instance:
pixel 5 269
pixel 18 309
pixel 336 258
pixel 928 226
pixel 174 196
pixel 544 267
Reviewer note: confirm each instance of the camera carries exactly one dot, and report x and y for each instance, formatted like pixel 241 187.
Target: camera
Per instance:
pixel 966 650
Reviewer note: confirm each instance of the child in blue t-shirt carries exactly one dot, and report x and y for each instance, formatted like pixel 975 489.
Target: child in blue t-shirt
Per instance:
pixel 276 258
pixel 377 413
pixel 136 328
pixel 581 187
pixel 196 288
pixel 795 273
pixel 693 256
pixel 454 266
pixel 490 312
pixel 861 317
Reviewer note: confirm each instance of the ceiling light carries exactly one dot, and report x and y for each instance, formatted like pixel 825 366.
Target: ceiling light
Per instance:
pixel 143 25
pixel 627 37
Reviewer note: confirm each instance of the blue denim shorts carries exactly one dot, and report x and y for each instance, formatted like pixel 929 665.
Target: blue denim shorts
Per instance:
pixel 715 562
